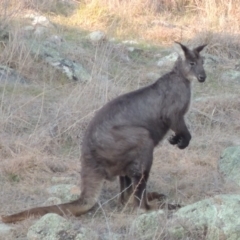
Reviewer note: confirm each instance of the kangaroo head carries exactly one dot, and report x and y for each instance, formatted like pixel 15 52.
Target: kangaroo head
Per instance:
pixel 192 63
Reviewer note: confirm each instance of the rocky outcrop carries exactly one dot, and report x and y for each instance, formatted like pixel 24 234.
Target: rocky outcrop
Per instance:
pixel 148 225
pixel 47 52
pixel 212 219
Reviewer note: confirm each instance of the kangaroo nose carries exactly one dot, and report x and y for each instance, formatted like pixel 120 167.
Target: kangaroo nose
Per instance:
pixel 201 78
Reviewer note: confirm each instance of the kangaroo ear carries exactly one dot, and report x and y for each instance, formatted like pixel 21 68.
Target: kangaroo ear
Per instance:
pixel 200 48
pixel 186 51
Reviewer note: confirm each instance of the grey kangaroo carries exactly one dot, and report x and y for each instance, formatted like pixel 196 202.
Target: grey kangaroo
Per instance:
pixel 120 139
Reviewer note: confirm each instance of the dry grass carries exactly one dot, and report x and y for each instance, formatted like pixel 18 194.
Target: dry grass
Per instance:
pixel 156 21
pixel 42 122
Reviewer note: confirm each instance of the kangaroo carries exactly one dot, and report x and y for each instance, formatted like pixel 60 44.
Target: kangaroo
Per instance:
pixel 120 139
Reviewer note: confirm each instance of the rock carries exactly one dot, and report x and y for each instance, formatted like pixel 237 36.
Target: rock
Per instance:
pixel 62 179
pixel 50 227
pixel 4 229
pixel 97 36
pixel 9 75
pixel 39 26
pixel 52 201
pixel 214 218
pixel 146 225
pixel 229 164
pixel 54 227
pixel 233 75
pixel 38 19
pixel 130 42
pixel 71 69
pixel 87 234
pixel 168 60
pixel 152 76
pixel 66 192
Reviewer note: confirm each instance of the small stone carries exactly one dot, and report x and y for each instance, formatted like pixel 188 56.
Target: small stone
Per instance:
pixel 97 36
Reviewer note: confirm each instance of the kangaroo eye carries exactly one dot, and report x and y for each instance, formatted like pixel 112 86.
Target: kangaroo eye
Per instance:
pixel 192 63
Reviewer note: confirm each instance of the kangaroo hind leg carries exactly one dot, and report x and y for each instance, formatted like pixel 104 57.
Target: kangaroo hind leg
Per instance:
pixel 125 188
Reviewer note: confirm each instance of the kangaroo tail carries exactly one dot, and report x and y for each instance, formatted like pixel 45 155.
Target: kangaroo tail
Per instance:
pixel 91 188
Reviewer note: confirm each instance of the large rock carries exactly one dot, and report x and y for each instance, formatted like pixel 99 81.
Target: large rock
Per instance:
pixel 152 76
pixel 147 225
pixel 211 219
pixel 87 234
pixel 229 164
pixel 214 218
pixel 50 226
pixel 54 227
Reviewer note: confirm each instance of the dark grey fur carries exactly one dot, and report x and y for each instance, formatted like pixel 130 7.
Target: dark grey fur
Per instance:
pixel 120 139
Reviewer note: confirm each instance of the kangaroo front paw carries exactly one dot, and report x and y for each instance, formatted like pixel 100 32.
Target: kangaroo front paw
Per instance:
pixel 182 143
pixel 174 139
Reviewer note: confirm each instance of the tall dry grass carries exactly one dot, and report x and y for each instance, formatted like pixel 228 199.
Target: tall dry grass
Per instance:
pixel 158 21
